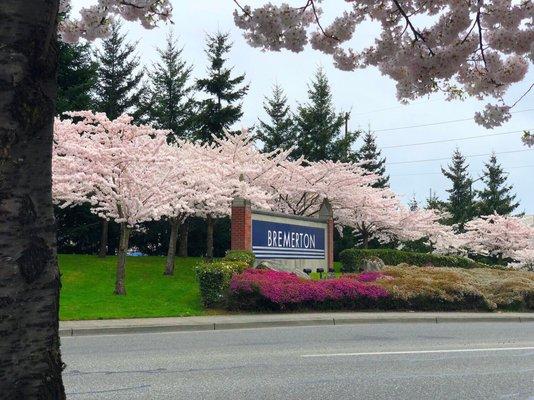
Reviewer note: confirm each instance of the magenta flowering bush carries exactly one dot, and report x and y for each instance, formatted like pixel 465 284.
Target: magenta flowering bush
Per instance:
pixel 258 289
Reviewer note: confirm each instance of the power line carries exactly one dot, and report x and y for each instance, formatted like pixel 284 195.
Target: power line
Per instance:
pixel 448 158
pixel 441 122
pixel 453 140
pixel 439 173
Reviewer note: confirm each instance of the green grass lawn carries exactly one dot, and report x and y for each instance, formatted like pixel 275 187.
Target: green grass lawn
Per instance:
pixel 88 283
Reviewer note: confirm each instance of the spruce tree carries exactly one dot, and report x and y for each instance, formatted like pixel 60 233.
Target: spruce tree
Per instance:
pixel 433 202
pixel 222 107
pixel 279 132
pixel 460 204
pixel 118 88
pixel 170 94
pixel 496 196
pixel 76 78
pixel 322 133
pixel 170 105
pixel 413 204
pixel 372 160
pixel 119 78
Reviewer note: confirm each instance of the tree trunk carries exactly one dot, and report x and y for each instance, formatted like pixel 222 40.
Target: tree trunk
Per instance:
pixel 210 222
pixel 120 288
pixel 365 240
pixel 184 236
pixel 169 267
pixel 30 359
pixel 104 229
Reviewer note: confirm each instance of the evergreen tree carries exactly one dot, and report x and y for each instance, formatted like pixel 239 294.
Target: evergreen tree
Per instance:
pixel 279 133
pixel 322 133
pixel 433 202
pixel 76 78
pixel 118 88
pixel 170 96
pixel 119 79
pixel 496 195
pixel 170 105
pixel 373 161
pixel 413 204
pixel 222 108
pixel 460 204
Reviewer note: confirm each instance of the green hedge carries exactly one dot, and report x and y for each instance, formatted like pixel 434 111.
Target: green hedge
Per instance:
pixel 351 259
pixel 214 278
pixel 241 255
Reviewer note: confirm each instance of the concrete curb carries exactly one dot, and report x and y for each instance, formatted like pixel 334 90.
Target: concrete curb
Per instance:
pixel 188 324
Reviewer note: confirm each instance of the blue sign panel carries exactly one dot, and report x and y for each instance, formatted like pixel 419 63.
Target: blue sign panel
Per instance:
pixel 273 240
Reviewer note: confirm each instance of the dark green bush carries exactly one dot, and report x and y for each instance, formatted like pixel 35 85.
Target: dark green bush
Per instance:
pixel 214 279
pixel 241 255
pixel 351 259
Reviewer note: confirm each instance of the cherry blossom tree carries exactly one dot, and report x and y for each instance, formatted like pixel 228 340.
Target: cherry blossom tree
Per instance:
pixel 498 236
pixel 234 167
pixel 127 173
pixel 524 259
pixel 462 48
pixel 300 186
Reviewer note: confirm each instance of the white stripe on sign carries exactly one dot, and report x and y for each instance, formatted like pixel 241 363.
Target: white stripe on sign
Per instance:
pixel 388 353
pixel 287 249
pixel 283 256
pixel 290 255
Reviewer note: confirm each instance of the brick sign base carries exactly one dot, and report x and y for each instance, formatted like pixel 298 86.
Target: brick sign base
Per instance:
pixel 290 241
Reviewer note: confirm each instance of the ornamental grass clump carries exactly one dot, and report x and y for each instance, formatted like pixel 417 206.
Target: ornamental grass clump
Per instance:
pixel 275 290
pixel 456 289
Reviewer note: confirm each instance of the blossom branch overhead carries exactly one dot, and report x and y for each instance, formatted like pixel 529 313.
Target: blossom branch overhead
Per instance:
pixel 474 48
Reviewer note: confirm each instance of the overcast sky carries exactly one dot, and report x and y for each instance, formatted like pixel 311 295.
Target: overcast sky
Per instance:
pixel 367 94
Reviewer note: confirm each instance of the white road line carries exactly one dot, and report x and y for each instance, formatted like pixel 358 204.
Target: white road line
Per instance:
pixel 387 353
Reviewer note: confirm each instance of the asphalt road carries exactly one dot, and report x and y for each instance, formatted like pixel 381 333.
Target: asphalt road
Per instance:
pixel 367 361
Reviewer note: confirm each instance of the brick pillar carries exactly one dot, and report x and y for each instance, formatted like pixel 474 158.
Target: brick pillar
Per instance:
pixel 241 225
pixel 327 213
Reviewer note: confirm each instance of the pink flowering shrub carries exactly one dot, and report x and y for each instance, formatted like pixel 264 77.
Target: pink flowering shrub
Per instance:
pixel 259 289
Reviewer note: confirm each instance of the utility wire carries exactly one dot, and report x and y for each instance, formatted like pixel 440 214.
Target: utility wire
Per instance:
pixel 439 173
pixel 441 122
pixel 453 140
pixel 448 158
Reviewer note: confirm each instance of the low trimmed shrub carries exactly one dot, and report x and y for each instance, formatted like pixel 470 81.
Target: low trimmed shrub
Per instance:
pixel 214 279
pixel 352 259
pixel 274 290
pixel 241 255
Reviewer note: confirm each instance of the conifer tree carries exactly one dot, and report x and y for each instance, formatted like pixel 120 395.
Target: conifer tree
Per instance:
pixel 372 160
pixel 170 94
pixel 119 78
pixel 460 204
pixel 170 105
pixel 118 89
pixel 413 204
pixel 76 78
pixel 222 107
pixel 279 132
pixel 322 133
pixel 433 202
pixel 496 196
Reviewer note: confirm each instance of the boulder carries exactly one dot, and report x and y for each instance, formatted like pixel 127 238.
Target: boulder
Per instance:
pixel 372 264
